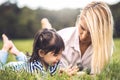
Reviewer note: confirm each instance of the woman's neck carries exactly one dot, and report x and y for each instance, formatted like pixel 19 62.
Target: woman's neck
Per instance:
pixel 84 46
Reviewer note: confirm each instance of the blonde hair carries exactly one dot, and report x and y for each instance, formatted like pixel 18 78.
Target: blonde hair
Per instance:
pixel 100 24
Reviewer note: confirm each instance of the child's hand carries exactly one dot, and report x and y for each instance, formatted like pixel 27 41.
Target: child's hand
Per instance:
pixel 70 71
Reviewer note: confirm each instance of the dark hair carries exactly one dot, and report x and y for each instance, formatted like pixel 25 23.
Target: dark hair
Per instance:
pixel 46 40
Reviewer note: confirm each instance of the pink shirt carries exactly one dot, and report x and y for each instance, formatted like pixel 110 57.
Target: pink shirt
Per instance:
pixel 72 54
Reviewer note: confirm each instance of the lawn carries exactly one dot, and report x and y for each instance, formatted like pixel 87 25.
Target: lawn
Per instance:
pixel 24 45
pixel 111 72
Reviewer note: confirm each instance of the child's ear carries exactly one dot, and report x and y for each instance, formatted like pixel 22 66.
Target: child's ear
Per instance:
pixel 41 53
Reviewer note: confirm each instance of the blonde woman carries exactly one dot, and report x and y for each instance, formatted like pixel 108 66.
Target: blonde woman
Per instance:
pixel 90 43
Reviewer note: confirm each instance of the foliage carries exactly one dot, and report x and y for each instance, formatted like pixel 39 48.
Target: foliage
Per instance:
pixel 116 11
pixel 23 22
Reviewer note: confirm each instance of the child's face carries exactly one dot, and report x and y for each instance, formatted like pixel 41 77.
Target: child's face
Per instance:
pixel 51 58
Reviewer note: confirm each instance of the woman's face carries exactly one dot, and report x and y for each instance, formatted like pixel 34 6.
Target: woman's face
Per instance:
pixel 84 34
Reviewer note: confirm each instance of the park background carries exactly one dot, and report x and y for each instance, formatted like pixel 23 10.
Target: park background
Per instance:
pixel 23 22
pixel 20 25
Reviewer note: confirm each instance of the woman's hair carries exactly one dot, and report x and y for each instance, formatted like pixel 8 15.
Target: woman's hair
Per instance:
pixel 46 40
pixel 100 24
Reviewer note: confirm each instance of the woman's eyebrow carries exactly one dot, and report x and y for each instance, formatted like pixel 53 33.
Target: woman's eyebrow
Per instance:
pixel 82 27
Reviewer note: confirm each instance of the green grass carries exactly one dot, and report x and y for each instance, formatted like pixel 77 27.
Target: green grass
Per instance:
pixel 111 72
pixel 117 49
pixel 24 45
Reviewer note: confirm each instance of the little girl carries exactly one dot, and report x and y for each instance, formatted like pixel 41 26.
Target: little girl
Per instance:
pixel 47 51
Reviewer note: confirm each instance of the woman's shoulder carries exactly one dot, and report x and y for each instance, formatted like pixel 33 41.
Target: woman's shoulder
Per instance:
pixel 66 33
pixel 66 30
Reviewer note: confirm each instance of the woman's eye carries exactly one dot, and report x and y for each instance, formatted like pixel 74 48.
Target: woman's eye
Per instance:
pixel 82 27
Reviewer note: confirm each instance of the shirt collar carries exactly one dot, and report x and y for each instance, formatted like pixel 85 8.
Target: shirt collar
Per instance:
pixel 37 65
pixel 75 40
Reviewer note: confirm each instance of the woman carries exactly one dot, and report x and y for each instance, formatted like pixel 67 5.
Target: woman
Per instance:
pixel 90 43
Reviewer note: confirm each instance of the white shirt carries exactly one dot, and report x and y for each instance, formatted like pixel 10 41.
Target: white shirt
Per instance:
pixel 72 54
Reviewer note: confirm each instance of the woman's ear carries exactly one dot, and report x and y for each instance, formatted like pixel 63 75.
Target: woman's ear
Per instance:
pixel 41 53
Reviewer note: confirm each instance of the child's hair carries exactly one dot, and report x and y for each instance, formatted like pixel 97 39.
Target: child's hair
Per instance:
pixel 46 40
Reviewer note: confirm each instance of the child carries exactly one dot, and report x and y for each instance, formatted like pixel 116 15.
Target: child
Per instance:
pixel 47 51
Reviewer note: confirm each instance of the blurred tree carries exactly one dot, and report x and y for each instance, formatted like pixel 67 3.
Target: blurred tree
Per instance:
pixel 26 27
pixel 24 23
pixel 8 18
pixel 116 15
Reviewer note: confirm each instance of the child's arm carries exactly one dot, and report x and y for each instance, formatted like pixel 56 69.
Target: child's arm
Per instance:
pixel 21 57
pixel 3 56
